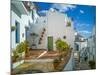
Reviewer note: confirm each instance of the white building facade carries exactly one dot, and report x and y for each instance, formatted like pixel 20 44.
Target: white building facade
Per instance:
pixel 92 45
pixel 21 18
pixel 55 25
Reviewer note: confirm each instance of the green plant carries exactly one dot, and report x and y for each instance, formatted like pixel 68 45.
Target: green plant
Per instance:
pixel 15 56
pixel 20 47
pixel 68 23
pixel 13 28
pixel 26 48
pixel 92 64
pixel 15 53
pixel 61 45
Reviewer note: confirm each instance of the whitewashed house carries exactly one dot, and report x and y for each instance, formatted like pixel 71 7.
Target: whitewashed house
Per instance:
pixel 81 47
pixel 48 29
pixel 55 26
pixel 80 42
pixel 92 45
pixel 21 18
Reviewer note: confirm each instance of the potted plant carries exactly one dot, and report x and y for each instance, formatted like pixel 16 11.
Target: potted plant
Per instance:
pixel 15 56
pixel 68 23
pixel 26 48
pixel 20 49
pixel 13 28
pixel 62 47
pixel 56 63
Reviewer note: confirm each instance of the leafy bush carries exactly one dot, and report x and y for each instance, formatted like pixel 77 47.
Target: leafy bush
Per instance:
pixel 15 56
pixel 15 53
pixel 20 47
pixel 26 47
pixel 61 45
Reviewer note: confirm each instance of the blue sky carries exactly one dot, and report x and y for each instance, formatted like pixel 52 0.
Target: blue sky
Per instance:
pixel 83 15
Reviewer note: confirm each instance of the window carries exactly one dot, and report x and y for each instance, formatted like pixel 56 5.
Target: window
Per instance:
pixel 17 34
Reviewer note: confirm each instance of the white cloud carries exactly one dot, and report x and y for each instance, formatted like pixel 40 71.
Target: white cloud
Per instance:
pixel 81 11
pixel 43 11
pixel 84 31
pixel 63 7
pixel 82 25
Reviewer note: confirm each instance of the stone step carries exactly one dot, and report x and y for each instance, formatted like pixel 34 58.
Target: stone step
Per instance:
pixel 39 60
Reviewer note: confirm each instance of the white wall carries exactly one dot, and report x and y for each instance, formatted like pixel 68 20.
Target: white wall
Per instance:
pixel 92 49
pixel 37 28
pixel 24 21
pixel 82 45
pixel 57 28
pixel 14 18
pixel 92 45
pixel 70 33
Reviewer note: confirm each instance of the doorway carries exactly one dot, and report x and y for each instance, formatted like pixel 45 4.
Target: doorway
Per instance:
pixel 50 43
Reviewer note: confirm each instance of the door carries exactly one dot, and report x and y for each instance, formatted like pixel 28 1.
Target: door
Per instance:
pixel 17 33
pixel 50 43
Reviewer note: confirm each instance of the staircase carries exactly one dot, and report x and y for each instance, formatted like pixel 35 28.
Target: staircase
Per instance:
pixel 37 38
